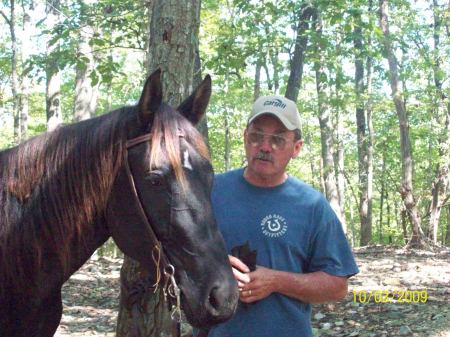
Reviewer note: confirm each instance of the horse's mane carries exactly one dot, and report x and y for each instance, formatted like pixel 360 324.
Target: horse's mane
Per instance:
pixel 54 185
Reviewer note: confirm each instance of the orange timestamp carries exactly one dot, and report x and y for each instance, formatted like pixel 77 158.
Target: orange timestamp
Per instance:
pixel 390 296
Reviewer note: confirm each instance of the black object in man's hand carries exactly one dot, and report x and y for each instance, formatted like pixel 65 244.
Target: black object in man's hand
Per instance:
pixel 246 255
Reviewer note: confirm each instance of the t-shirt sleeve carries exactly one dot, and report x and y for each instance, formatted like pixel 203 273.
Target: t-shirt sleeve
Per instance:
pixel 329 249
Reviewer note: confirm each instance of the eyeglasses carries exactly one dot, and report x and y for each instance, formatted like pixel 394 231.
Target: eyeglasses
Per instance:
pixel 256 138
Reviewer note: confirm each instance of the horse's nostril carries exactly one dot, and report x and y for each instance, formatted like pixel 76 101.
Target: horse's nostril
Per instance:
pixel 213 299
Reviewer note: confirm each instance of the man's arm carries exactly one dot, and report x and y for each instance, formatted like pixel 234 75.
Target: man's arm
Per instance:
pixel 316 287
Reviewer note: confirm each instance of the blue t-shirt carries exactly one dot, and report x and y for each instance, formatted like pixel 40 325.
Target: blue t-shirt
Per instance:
pixel 293 228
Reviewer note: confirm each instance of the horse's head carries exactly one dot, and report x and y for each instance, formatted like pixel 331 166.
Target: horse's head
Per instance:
pixel 167 179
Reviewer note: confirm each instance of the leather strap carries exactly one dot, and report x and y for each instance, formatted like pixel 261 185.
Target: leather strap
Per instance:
pixel 161 260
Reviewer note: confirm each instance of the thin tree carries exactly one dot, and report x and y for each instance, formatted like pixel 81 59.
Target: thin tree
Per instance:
pixel 407 192
pixel 298 58
pixel 324 114
pixel 11 21
pixel 361 133
pixel 23 78
pixel 86 94
pixel 53 83
pixel 442 116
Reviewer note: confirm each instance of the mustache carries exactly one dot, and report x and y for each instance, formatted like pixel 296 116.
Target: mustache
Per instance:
pixel 264 156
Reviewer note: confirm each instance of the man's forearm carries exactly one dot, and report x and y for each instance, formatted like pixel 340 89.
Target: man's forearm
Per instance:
pixel 317 287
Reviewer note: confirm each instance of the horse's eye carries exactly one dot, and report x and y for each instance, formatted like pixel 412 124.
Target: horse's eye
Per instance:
pixel 155 179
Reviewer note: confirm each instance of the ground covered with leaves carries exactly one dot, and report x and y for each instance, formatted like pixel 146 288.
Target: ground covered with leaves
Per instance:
pixel 397 293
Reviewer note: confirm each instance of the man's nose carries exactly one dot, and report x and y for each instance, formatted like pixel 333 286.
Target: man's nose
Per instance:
pixel 266 144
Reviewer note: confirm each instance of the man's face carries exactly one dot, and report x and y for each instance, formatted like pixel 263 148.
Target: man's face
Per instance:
pixel 269 147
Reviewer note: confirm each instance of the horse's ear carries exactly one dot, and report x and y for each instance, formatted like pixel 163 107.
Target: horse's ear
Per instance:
pixel 194 107
pixel 151 98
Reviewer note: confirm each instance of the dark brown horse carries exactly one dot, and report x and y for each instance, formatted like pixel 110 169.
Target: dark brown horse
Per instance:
pixel 134 174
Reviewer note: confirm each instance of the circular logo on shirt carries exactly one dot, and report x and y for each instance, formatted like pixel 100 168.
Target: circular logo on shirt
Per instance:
pixel 274 225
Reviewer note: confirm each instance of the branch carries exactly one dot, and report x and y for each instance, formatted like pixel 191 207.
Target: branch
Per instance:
pixel 6 18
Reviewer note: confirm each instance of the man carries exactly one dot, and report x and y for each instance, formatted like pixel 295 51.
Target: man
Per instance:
pixel 302 254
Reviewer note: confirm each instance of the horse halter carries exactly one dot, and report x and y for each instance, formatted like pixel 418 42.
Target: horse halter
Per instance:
pixel 170 287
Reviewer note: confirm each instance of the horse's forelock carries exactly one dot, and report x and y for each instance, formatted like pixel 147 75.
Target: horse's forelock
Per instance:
pixel 165 142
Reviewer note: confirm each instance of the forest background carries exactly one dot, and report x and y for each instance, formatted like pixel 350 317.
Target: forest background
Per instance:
pixel 370 78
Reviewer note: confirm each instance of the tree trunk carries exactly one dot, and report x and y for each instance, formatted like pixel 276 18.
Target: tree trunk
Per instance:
pixel 257 86
pixel 53 85
pixel 227 146
pixel 202 126
pixel 297 62
pixel 86 94
pixel 340 169
pixel 24 79
pixel 447 234
pixel 11 21
pixel 404 217
pixel 370 129
pixel 152 316
pixel 172 48
pixel 361 135
pixel 326 131
pixel 382 194
pixel 173 35
pixel 339 157
pixel 273 53
pixel 407 191
pixel 442 116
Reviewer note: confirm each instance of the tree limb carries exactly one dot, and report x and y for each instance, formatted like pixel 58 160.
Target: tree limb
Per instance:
pixel 6 18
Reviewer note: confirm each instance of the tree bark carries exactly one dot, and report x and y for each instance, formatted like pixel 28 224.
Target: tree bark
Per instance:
pixel 202 126
pixel 324 114
pixel 172 48
pixel 407 191
pixel 86 94
pixel 298 59
pixel 53 85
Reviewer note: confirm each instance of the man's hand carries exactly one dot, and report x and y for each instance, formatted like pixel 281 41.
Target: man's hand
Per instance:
pixel 261 285
pixel 253 286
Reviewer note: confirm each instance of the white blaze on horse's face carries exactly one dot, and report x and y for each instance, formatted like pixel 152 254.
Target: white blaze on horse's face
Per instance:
pixel 186 161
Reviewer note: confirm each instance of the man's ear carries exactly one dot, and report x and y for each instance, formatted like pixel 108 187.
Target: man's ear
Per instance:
pixel 298 145
pixel 194 107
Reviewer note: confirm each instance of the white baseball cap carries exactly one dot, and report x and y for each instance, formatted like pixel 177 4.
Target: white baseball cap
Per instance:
pixel 281 107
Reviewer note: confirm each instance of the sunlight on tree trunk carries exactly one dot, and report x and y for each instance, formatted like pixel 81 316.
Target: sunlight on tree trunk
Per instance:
pixel 86 94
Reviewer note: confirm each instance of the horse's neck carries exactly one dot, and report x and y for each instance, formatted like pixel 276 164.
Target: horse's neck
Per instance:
pixel 93 236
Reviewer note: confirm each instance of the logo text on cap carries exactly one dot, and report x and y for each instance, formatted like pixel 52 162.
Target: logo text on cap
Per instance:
pixel 276 103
